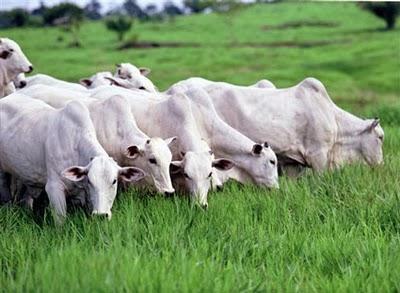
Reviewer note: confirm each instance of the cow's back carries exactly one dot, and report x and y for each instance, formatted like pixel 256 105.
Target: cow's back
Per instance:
pixel 24 125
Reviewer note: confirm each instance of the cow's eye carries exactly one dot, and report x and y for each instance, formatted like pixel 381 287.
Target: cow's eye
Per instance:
pixel 209 175
pixel 11 50
pixel 186 175
pixel 381 138
pixel 272 162
pixel 142 88
pixel 115 181
pixel 153 161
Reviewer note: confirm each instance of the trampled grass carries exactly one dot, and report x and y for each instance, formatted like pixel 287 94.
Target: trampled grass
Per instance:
pixel 339 231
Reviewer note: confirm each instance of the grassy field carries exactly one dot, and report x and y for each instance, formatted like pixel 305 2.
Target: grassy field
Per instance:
pixel 339 231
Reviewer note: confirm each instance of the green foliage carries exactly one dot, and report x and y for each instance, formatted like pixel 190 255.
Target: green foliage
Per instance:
pixel 388 11
pixel 63 13
pixel 197 6
pixel 334 232
pixel 14 18
pixel 119 24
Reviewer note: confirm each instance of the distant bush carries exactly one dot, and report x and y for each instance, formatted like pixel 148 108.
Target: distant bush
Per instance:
pixel 14 18
pixel 63 13
pixel 69 17
pixel 119 24
pixel 388 11
pixel 197 6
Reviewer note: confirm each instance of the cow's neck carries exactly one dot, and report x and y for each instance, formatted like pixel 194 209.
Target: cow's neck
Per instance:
pixel 238 174
pixel 347 146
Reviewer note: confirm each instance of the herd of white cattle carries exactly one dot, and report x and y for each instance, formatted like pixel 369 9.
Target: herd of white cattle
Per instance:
pixel 81 140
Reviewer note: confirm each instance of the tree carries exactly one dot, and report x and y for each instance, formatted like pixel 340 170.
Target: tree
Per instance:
pixel 40 10
pixel 14 18
pixel 93 10
pixel 133 9
pixel 151 9
pixel 197 6
pixel 68 16
pixel 171 9
pixel 119 24
pixel 67 11
pixel 388 11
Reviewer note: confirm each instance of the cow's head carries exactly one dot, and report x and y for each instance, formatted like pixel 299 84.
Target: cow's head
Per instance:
pixel 155 158
pixel 100 178
pixel 262 165
pixel 371 142
pixel 96 80
pixel 12 59
pixel 20 81
pixel 130 77
pixel 196 169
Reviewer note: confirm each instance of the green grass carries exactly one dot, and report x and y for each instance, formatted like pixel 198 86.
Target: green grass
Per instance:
pixel 339 231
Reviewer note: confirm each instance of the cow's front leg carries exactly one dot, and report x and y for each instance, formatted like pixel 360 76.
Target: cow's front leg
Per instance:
pixel 56 193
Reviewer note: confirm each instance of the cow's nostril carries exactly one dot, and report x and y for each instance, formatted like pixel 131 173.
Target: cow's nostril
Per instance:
pixel 30 69
pixel 205 206
pixel 22 84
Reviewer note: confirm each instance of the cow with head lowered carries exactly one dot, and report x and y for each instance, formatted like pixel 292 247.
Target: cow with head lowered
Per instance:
pixel 57 149
pixel 301 123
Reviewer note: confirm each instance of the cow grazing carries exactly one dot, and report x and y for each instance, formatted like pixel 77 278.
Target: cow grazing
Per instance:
pixel 301 123
pixel 122 139
pixel 172 116
pixel 58 150
pixel 12 62
pixel 254 162
pixel 118 132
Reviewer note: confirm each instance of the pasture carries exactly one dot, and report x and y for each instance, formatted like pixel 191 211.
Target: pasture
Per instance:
pixel 338 231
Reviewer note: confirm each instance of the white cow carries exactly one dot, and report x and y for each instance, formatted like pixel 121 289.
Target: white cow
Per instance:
pixel 301 123
pixel 254 162
pixel 130 77
pixel 199 82
pixel 96 80
pixel 43 79
pixel 58 150
pixel 173 116
pixel 117 132
pixel 12 62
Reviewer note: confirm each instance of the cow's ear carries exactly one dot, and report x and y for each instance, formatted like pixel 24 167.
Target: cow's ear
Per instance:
pixel 144 71
pixel 170 140
pixel 85 82
pixel 130 174
pixel 223 164
pixel 133 152
pixel 5 54
pixel 371 126
pixel 75 173
pixel 257 149
pixel 175 167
